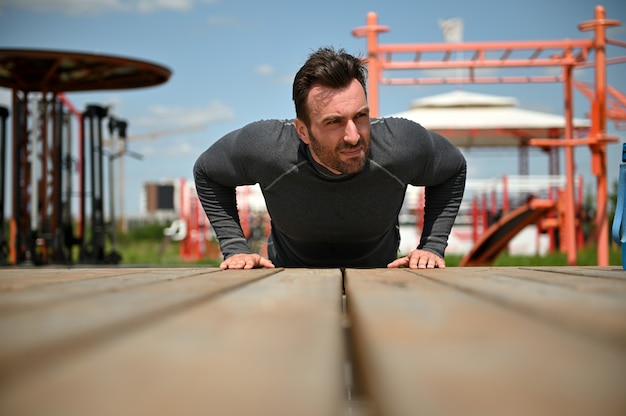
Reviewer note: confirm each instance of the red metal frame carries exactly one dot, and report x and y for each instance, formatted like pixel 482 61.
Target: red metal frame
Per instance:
pixel 567 54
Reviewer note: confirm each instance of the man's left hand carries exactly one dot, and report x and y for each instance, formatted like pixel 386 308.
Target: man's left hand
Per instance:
pixel 419 259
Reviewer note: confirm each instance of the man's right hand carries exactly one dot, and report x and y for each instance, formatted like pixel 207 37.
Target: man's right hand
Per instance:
pixel 246 261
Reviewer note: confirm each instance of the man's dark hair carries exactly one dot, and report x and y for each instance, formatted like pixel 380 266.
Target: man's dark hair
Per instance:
pixel 327 67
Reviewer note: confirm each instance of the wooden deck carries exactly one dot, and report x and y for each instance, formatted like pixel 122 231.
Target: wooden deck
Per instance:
pixel 200 341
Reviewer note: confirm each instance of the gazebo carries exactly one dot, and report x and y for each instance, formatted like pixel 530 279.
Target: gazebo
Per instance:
pixel 470 119
pixel 473 120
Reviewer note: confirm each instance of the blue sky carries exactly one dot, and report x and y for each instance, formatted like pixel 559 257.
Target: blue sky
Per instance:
pixel 233 63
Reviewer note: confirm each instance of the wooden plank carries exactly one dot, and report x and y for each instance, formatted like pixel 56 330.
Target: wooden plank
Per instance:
pixel 579 282
pixel 30 338
pixel 272 347
pixel 41 295
pixel 17 278
pixel 602 272
pixel 425 347
pixel 591 313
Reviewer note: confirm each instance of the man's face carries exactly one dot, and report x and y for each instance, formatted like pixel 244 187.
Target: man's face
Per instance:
pixel 339 131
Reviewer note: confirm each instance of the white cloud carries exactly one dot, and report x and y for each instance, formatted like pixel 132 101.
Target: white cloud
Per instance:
pixel 285 79
pixel 171 147
pixel 185 117
pixel 79 7
pixel 224 21
pixel 263 69
pixel 71 7
pixel 269 72
pixel 154 5
pixel 173 124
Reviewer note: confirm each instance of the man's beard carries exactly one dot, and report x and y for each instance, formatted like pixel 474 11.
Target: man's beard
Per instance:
pixel 331 158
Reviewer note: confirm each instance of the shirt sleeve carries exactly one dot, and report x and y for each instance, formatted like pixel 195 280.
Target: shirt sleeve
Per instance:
pixel 441 208
pixel 215 174
pixel 443 195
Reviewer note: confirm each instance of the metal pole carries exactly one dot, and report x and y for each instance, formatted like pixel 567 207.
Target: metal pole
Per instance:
pixel 34 167
pixel 92 180
pixel 598 130
pixel 599 153
pixel 100 180
pixel 4 114
pixel 20 223
pixel 67 168
pixel 44 221
pixel 372 56
pixel 370 32
pixel 570 221
pixel 122 127
pixel 82 193
pixel 58 223
pixel 96 114
pixel 112 224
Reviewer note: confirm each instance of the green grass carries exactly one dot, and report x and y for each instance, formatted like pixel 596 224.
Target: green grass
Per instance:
pixel 586 256
pixel 147 253
pixel 150 253
pixel 145 246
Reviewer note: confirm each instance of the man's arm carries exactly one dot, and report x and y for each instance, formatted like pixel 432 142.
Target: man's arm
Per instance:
pixel 441 168
pixel 228 163
pixel 220 205
pixel 442 203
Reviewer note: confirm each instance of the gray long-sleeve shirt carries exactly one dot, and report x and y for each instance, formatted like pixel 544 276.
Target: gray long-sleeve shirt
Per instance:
pixel 319 219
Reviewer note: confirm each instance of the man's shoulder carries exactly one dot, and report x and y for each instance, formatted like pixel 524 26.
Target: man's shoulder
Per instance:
pixel 271 132
pixel 397 132
pixel 269 125
pixel 395 123
pixel 270 139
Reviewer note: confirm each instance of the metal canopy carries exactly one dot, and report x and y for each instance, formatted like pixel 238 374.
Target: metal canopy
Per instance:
pixel 64 71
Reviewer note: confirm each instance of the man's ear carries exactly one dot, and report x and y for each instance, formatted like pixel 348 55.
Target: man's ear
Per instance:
pixel 302 130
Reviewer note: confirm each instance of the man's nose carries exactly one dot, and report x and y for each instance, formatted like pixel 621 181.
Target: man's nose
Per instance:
pixel 352 133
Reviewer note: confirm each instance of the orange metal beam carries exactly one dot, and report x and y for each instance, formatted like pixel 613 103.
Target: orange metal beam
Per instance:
pixel 473 79
pixel 370 32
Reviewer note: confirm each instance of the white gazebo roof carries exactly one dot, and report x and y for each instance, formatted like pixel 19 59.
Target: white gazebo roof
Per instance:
pixel 479 120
